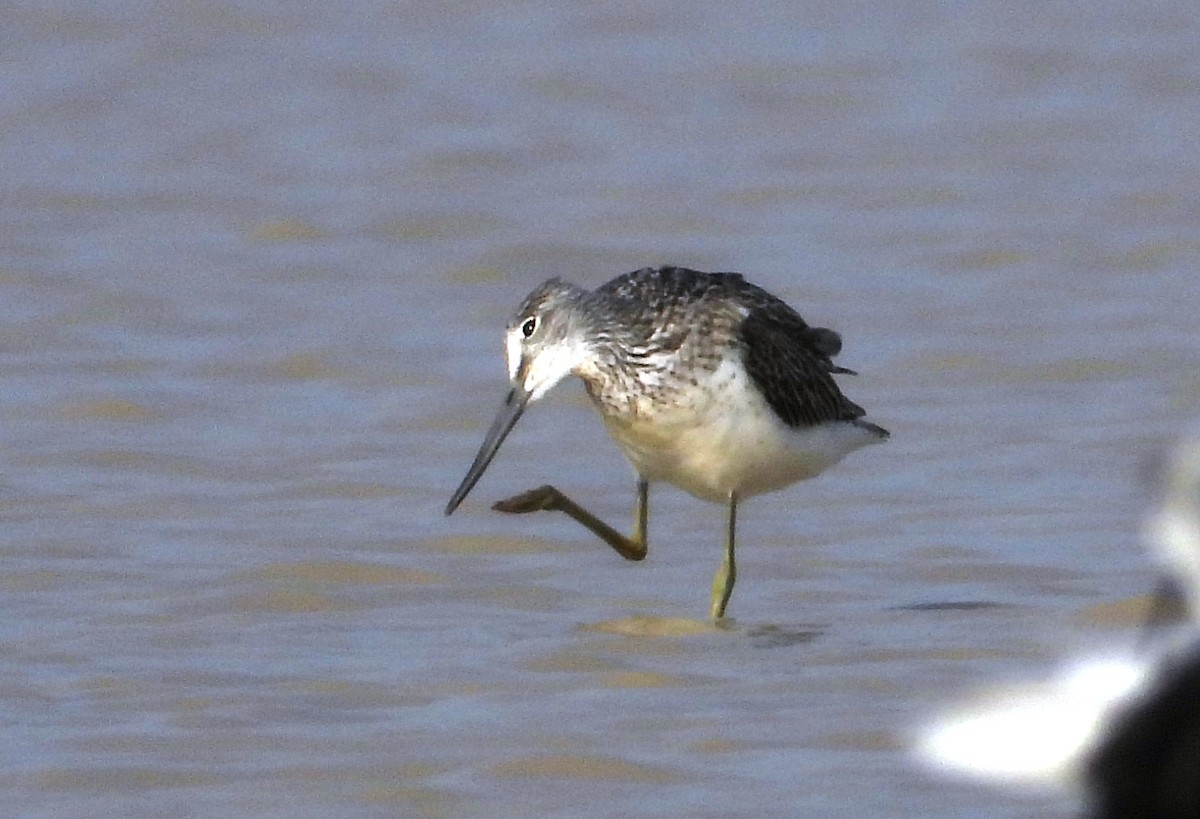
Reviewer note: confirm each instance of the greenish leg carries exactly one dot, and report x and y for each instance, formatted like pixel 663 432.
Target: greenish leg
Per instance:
pixel 548 499
pixel 722 588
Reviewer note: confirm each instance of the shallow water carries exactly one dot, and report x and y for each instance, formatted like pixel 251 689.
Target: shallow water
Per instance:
pixel 254 264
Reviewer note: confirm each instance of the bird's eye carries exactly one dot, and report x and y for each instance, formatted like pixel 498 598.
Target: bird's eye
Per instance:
pixel 528 327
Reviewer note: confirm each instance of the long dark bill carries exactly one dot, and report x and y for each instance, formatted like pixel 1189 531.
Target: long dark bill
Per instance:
pixel 506 419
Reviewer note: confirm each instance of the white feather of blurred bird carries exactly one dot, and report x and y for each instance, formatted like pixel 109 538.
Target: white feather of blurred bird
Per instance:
pixel 1041 734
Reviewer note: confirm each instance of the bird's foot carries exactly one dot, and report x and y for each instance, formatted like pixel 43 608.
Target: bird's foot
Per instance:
pixel 543 499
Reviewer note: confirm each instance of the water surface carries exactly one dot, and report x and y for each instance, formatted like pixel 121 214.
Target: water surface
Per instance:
pixel 254 264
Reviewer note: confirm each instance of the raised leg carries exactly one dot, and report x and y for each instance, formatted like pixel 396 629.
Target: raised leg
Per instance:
pixel 722 588
pixel 547 498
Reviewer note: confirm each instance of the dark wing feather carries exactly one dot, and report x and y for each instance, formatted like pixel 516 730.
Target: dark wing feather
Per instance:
pixel 1146 765
pixel 790 364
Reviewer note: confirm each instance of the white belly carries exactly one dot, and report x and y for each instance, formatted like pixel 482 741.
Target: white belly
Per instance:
pixel 731 442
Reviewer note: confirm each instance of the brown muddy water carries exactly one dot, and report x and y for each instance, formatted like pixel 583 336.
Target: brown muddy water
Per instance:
pixel 255 261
